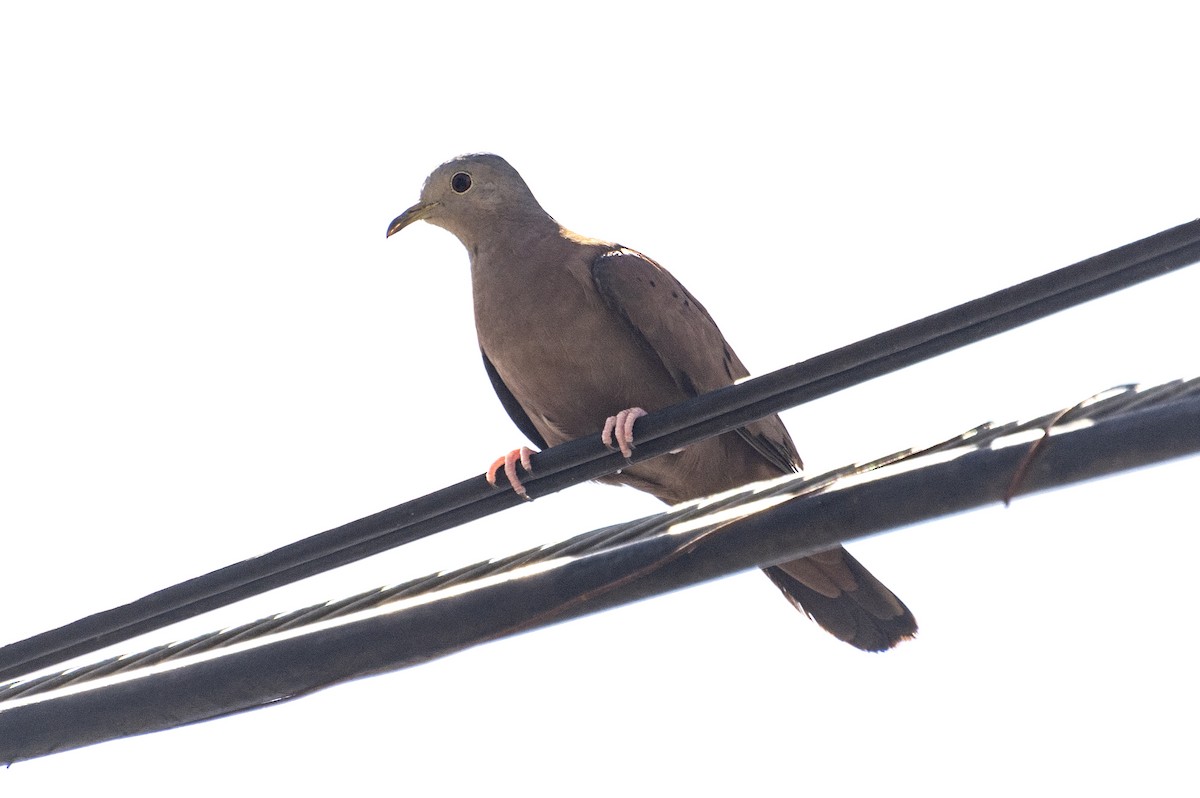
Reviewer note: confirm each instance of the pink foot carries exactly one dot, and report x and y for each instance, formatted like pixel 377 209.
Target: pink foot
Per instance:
pixel 509 463
pixel 620 429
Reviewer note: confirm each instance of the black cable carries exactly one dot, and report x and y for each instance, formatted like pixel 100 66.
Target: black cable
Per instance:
pixel 1108 404
pixel 293 666
pixel 586 459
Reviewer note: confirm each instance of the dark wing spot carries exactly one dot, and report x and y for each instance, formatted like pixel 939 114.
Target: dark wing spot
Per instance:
pixel 728 363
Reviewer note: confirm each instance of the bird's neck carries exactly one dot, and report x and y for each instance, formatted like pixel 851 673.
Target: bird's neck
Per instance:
pixel 503 234
pixel 513 238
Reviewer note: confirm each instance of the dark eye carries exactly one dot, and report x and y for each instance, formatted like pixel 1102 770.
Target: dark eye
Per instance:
pixel 461 182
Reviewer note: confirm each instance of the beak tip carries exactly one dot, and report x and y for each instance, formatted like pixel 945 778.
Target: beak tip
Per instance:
pixel 418 211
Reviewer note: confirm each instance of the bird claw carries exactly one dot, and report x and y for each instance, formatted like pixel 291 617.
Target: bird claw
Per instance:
pixel 620 429
pixel 509 463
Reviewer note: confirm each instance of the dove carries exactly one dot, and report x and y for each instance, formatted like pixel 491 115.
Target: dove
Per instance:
pixel 580 335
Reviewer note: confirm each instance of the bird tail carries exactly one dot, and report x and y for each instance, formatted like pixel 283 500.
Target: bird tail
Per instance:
pixel 845 599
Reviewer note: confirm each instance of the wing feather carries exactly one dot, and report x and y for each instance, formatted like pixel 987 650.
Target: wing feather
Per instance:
pixel 673 325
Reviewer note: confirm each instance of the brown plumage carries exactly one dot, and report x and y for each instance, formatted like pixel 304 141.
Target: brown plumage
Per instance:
pixel 574 330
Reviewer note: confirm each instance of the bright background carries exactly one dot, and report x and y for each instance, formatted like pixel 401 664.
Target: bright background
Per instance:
pixel 210 350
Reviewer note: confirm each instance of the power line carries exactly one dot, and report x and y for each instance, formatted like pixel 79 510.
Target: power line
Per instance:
pixel 586 459
pixel 1110 404
pixel 652 560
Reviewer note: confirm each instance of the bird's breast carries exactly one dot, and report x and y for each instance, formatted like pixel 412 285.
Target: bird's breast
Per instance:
pixel 569 359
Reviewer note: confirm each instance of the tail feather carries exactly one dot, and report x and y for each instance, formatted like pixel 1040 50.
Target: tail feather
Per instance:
pixel 845 599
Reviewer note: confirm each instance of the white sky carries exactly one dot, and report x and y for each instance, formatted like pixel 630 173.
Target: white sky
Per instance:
pixel 211 350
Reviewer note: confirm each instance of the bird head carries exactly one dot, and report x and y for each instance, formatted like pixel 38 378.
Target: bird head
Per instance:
pixel 471 196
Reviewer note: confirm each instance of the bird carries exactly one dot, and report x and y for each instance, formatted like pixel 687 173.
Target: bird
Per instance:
pixel 581 334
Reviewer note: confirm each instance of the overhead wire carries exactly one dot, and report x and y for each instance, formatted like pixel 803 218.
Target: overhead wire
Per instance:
pixel 585 459
pixel 1109 404
pixel 677 548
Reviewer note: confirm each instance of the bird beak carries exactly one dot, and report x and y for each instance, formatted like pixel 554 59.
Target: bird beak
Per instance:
pixel 413 214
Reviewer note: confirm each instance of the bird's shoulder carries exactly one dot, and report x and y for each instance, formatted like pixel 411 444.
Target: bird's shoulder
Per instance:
pixel 681 333
pixel 668 317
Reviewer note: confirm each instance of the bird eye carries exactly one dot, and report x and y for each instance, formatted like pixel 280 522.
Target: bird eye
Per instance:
pixel 461 182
